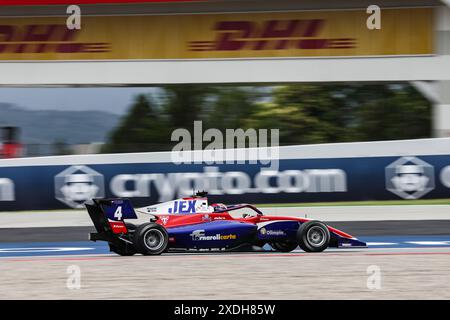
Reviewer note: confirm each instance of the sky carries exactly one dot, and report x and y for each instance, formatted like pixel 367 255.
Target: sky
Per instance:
pixel 116 100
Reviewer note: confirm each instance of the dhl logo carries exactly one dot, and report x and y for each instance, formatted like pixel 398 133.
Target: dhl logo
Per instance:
pixel 270 35
pixel 51 38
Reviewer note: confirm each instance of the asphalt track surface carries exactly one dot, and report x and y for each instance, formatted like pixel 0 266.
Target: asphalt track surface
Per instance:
pixel 413 267
pixel 405 273
pixel 412 259
pixel 356 228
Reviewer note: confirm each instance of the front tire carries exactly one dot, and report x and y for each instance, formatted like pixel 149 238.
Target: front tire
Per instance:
pixel 150 239
pixel 313 236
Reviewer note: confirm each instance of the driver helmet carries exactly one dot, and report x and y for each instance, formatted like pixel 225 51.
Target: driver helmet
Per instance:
pixel 219 206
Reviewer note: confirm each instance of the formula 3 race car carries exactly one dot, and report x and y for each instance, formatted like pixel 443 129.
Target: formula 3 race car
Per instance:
pixel 191 224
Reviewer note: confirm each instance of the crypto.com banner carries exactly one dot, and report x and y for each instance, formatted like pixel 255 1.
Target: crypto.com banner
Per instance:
pixel 227 35
pixel 43 187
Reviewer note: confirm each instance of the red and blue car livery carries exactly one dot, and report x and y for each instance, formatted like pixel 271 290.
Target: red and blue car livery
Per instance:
pixel 191 224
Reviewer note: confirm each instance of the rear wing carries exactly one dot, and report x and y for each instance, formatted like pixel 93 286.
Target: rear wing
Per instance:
pixel 108 217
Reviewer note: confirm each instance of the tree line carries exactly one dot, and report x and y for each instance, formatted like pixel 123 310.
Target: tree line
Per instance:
pixel 303 113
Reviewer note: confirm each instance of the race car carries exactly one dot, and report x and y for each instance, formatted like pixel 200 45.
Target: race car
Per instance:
pixel 191 224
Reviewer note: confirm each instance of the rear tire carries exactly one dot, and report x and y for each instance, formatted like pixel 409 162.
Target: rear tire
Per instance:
pixel 284 246
pixel 313 236
pixel 150 239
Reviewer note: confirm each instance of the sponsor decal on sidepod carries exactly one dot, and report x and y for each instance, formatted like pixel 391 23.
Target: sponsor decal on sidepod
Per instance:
pixel 199 235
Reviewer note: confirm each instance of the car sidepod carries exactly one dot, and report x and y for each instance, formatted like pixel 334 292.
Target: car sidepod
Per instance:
pixel 283 230
pixel 278 230
pixel 222 234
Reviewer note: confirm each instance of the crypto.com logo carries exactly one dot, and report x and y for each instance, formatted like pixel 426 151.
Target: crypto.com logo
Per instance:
pixel 78 184
pixel 410 177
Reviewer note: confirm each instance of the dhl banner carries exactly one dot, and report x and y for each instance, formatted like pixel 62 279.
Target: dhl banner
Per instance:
pixel 222 36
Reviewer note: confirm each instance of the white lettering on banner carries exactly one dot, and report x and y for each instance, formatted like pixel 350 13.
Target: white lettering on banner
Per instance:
pixel 445 176
pixel 326 180
pixel 236 182
pixel 7 190
pixel 296 181
pixel 175 185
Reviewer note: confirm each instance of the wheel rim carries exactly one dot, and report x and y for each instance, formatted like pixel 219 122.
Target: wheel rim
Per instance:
pixel 316 236
pixel 153 239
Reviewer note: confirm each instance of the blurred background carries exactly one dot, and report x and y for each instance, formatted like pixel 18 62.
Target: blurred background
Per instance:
pixel 393 85
pixel 62 121
pixel 105 78
pixel 358 89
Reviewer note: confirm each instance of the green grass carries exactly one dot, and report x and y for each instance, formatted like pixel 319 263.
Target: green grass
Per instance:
pixel 360 203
